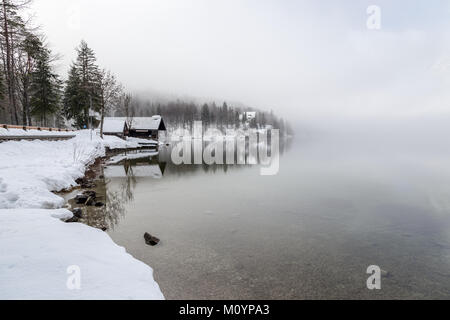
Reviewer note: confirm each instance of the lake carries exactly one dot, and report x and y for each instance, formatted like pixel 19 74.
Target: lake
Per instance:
pixel 310 232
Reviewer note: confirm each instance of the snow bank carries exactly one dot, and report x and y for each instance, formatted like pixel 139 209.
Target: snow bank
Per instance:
pixel 31 170
pixel 37 250
pixel 37 247
pixel 20 132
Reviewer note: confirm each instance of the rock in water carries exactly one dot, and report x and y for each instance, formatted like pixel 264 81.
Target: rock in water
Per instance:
pixel 88 185
pixel 90 201
pixel 81 199
pixel 151 240
pixel 80 180
pixel 91 194
pixel 77 212
pixel 85 183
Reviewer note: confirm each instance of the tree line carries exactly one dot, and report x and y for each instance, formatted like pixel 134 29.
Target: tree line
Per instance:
pixel 180 113
pixel 32 93
pixel 29 87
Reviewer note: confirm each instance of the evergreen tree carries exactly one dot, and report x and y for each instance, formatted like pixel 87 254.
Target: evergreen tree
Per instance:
pixel 205 115
pixel 225 114
pixel 45 88
pixel 83 90
pixel 72 102
pixel 159 110
pixel 263 120
pixel 236 119
pixel 31 49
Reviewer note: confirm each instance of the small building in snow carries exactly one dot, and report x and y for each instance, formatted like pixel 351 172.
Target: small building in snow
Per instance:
pixel 147 127
pixel 115 127
pixel 250 116
pixel 138 127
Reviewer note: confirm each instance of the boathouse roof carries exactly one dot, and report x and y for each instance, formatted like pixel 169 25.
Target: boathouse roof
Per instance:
pixel 114 125
pixel 144 123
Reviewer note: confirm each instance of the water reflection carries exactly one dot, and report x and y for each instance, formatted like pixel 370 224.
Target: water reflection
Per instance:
pixel 125 176
pixel 310 232
pixel 125 170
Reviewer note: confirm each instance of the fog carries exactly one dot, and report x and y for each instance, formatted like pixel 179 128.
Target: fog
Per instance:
pixel 366 181
pixel 307 60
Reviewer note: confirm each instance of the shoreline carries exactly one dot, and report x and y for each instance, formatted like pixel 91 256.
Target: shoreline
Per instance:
pixel 39 248
pixel 93 181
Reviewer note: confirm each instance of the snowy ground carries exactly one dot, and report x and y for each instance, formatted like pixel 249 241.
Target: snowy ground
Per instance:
pixel 37 247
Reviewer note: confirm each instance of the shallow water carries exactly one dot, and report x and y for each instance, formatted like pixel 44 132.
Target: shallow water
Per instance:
pixel 309 232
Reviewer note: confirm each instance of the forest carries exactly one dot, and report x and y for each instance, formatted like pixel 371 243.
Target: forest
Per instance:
pixel 180 113
pixel 32 93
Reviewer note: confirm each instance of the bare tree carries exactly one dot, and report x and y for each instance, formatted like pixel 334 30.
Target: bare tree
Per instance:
pixel 110 92
pixel 128 108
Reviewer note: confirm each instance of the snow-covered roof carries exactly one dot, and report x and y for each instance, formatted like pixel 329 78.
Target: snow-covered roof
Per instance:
pixel 250 115
pixel 144 123
pixel 148 123
pixel 113 125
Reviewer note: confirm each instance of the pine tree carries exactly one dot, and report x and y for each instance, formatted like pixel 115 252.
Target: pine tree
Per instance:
pixel 72 101
pixel 45 88
pixel 263 120
pixel 224 119
pixel 31 48
pixel 83 90
pixel 236 120
pixel 205 115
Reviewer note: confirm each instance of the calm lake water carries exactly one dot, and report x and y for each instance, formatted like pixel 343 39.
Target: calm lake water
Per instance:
pixel 309 232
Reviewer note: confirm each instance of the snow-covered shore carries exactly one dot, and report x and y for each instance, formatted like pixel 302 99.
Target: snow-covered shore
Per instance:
pixel 37 247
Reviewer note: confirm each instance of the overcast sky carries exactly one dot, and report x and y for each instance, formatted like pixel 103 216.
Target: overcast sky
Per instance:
pixel 300 58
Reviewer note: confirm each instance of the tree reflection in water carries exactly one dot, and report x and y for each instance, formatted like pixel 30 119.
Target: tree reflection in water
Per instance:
pixel 120 192
pixel 117 198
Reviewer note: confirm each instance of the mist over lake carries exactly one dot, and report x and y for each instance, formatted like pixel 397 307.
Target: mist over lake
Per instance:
pixel 341 202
